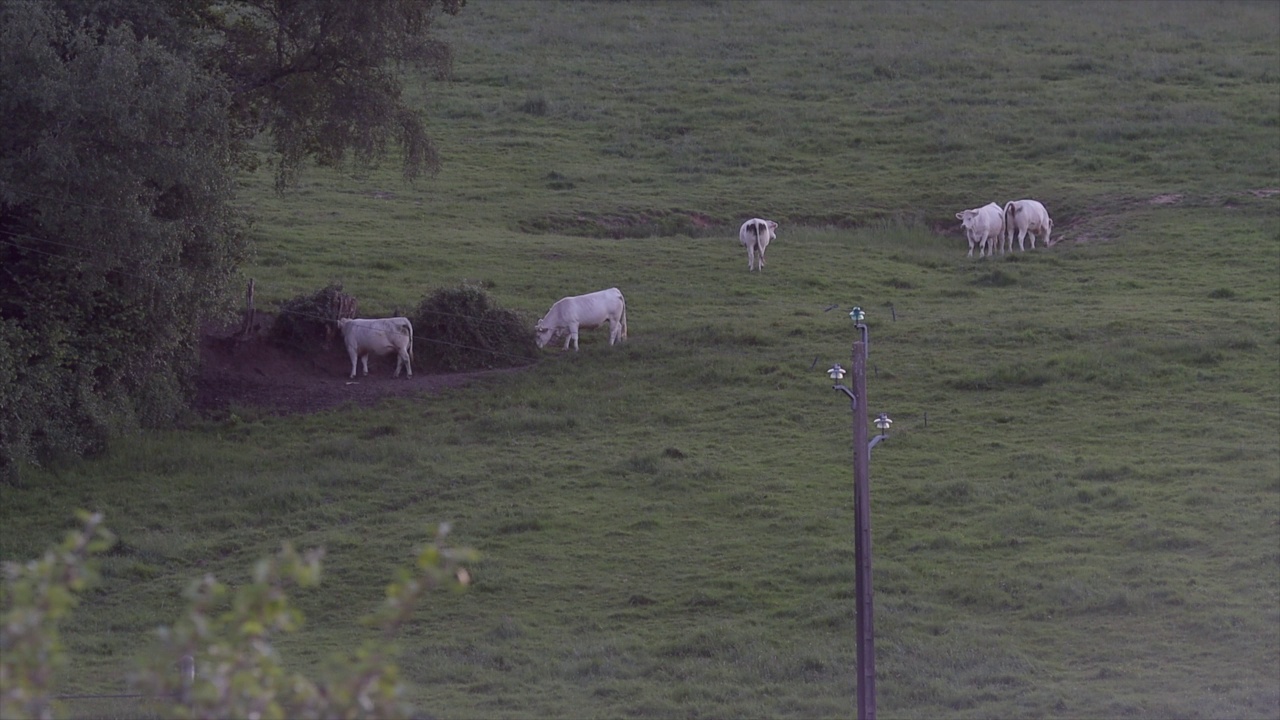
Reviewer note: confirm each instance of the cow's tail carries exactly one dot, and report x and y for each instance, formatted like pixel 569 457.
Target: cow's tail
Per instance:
pixel 1010 212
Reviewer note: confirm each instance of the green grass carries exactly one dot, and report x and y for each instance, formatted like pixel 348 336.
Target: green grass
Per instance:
pixel 1077 515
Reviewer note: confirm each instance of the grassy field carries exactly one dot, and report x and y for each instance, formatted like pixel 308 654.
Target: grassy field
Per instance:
pixel 1077 514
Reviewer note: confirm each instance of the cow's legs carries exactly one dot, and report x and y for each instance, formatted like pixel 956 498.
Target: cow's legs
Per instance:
pixel 402 358
pixel 365 359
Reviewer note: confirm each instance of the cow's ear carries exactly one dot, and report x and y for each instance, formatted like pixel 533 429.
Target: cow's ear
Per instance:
pixel 773 225
pixel 960 216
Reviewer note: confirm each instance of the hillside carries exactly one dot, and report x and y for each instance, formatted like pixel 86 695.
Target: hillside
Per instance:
pixel 1077 512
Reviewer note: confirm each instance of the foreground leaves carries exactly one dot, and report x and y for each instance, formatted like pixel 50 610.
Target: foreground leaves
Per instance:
pixel 229 666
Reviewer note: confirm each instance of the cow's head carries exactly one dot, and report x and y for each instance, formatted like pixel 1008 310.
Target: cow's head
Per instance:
pixel 966 217
pixel 773 230
pixel 544 334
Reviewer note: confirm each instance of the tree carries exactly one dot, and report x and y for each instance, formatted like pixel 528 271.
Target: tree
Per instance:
pixel 117 233
pixel 122 125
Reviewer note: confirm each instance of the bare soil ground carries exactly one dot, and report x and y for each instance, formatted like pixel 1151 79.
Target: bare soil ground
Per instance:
pixel 255 372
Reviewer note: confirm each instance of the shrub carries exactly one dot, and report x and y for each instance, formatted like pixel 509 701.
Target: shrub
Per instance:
pixel 303 321
pixel 461 329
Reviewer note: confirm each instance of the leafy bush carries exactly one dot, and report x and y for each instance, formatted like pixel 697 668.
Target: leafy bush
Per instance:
pixel 229 666
pixel 461 329
pixel 303 321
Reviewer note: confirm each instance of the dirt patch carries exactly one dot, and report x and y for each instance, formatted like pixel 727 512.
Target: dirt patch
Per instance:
pixel 1167 199
pixel 626 223
pixel 260 374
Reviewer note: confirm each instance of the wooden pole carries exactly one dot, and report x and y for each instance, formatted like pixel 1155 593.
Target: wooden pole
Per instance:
pixel 862 536
pixel 246 326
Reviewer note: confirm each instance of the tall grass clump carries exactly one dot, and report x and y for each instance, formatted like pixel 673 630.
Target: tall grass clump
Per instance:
pixel 461 328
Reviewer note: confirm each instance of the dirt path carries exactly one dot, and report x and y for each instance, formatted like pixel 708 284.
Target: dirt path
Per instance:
pixel 259 374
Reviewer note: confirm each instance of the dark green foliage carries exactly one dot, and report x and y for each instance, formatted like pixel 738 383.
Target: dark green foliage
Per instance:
pixel 462 329
pixel 302 322
pixel 116 234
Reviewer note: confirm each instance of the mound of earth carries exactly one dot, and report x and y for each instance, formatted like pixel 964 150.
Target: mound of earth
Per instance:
pixel 253 371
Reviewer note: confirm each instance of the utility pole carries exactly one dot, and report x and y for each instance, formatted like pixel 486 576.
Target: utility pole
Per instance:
pixel 862 536
pixel 866 681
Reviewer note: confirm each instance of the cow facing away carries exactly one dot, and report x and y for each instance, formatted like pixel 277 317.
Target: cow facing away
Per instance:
pixel 983 227
pixel 588 311
pixel 1026 217
pixel 756 234
pixel 381 336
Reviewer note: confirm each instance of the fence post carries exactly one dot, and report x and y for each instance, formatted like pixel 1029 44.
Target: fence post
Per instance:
pixel 187 666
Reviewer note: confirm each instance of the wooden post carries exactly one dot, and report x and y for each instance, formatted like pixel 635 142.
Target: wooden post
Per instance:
pixel 862 537
pixel 187 666
pixel 341 305
pixel 246 327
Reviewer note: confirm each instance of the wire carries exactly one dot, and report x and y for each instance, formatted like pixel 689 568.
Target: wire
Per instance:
pixel 65 201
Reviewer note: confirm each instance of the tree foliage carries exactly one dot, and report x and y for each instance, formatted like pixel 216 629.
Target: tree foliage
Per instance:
pixel 117 234
pixel 34 600
pixel 322 77
pixel 122 125
pixel 225 636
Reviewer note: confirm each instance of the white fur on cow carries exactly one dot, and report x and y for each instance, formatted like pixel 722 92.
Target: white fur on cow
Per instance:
pixel 984 228
pixel 1026 217
pixel 756 234
pixel 592 310
pixel 381 336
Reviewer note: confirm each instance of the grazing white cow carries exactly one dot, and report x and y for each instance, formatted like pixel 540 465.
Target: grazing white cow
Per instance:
pixel 756 234
pixel 381 336
pixel 984 227
pixel 585 311
pixel 1026 217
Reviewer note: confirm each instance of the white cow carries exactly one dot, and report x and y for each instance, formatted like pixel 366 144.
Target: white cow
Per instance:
pixel 381 336
pixel 1026 217
pixel 585 311
pixel 756 234
pixel 983 226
